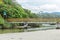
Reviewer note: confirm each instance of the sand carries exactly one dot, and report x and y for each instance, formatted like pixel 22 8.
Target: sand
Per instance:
pixel 36 35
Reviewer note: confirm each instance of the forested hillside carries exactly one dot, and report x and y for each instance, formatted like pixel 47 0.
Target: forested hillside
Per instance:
pixel 14 10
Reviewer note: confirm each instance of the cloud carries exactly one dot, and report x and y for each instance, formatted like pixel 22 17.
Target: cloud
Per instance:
pixel 40 5
pixel 32 8
pixel 50 7
pixel 22 1
pixel 45 7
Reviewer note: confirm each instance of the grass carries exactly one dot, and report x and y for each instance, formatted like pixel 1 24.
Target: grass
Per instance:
pixel 10 31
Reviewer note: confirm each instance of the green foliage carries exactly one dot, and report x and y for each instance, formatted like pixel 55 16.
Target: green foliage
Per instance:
pixel 1 20
pixel 30 14
pixel 7 25
pixel 9 2
pixel 15 10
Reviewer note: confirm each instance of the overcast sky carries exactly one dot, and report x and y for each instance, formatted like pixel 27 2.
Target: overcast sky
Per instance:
pixel 41 5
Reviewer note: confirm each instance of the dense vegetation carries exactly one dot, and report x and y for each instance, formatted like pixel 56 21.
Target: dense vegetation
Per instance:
pixel 15 10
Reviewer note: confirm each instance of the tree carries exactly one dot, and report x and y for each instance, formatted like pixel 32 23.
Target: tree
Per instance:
pixel 14 10
pixel 30 14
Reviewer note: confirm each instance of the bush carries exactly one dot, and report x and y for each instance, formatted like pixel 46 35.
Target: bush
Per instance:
pixel 1 20
pixel 7 25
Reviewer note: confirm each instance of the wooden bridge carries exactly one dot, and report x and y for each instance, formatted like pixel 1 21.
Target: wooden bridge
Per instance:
pixel 26 21
pixel 21 20
pixel 34 20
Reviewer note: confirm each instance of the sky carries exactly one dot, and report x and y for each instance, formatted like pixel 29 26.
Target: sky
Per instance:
pixel 40 5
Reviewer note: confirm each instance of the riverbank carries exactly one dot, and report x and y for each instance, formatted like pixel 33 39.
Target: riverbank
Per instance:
pixel 11 31
pixel 2 31
pixel 36 35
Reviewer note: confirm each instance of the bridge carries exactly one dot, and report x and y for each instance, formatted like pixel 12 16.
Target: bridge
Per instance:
pixel 27 21
pixel 33 20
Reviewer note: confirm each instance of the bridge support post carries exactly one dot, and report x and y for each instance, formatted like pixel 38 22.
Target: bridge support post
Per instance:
pixel 58 27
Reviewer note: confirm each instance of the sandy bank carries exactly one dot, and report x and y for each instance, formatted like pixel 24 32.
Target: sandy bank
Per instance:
pixel 37 35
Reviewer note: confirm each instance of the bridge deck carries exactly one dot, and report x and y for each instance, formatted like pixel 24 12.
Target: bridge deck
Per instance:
pixel 33 20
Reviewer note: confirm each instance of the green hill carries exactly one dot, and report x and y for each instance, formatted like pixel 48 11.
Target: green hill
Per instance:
pixel 15 10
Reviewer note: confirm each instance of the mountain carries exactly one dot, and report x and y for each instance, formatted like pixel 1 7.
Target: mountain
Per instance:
pixel 49 15
pixel 57 13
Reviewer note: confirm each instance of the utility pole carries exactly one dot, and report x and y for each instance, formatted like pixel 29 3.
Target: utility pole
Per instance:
pixel 58 27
